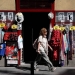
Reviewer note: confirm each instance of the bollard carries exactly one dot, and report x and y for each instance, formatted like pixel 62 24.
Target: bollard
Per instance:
pixel 32 68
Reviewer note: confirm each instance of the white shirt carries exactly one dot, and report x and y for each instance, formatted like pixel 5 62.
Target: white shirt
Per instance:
pixel 44 41
pixel 20 42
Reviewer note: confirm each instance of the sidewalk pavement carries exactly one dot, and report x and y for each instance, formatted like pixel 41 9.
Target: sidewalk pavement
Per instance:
pixel 43 70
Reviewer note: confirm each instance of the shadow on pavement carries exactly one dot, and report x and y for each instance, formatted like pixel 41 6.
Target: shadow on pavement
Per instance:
pixel 23 68
pixel 43 70
pixel 5 72
pixel 12 73
pixel 68 72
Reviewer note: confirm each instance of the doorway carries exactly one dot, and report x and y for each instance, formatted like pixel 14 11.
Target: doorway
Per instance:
pixel 32 24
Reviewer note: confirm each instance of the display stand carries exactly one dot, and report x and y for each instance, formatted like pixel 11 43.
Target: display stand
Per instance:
pixel 9 38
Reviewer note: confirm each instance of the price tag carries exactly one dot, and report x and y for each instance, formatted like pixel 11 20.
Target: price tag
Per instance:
pixel 62 28
pixel 14 26
pixel 56 28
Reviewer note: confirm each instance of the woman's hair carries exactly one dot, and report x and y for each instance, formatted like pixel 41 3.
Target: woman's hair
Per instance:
pixel 43 31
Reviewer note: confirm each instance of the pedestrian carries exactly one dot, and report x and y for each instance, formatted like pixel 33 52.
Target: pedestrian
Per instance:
pixel 42 50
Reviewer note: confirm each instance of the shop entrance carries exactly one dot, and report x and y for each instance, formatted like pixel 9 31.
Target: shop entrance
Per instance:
pixel 32 24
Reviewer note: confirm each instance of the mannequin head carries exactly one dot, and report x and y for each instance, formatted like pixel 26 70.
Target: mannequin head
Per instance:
pixel 19 17
pixel 51 15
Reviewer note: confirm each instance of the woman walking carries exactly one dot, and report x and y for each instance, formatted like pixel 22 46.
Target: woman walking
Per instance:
pixel 43 50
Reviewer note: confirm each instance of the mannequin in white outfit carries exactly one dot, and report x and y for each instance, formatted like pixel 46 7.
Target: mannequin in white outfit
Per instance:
pixel 20 45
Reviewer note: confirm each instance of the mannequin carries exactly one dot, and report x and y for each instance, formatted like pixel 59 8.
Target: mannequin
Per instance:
pixel 19 19
pixel 50 32
pixel 20 46
pixel 55 43
pixel 51 16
